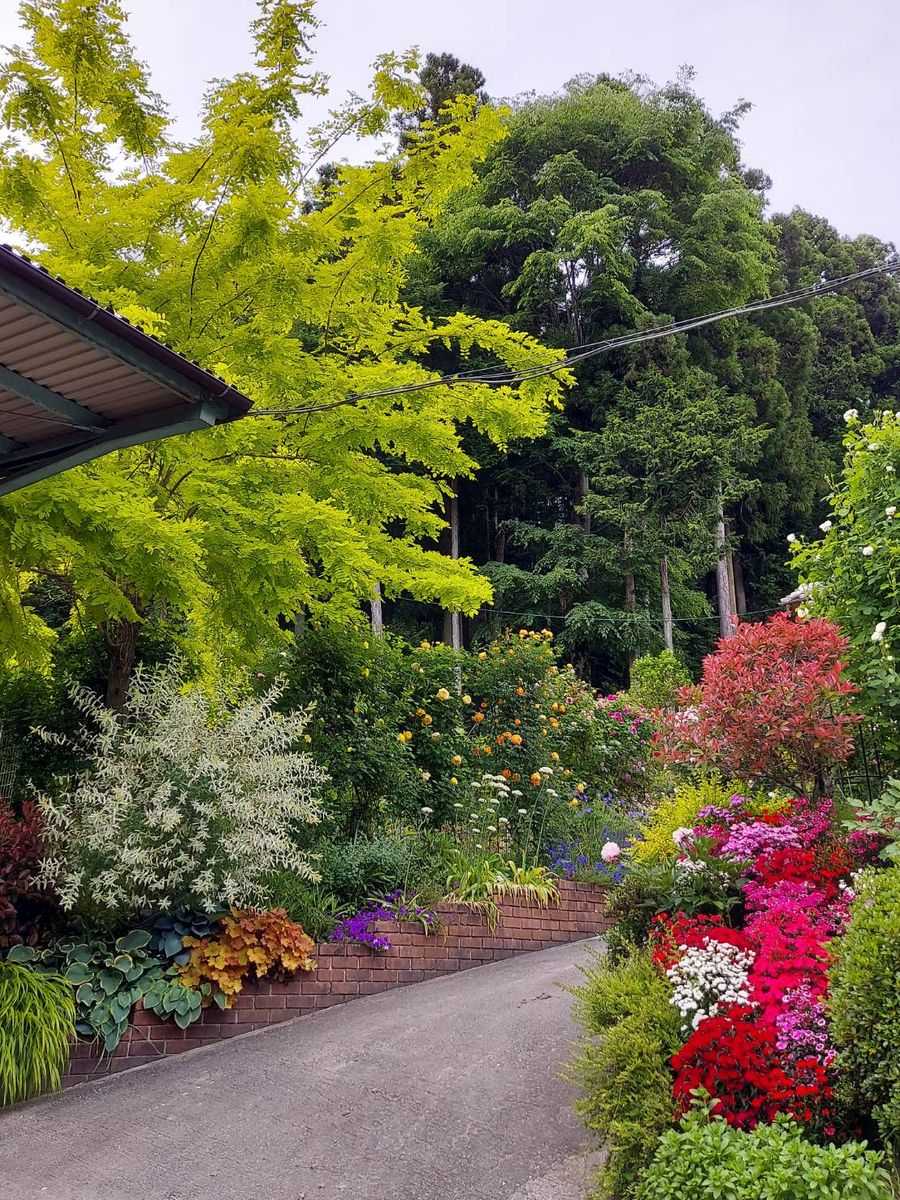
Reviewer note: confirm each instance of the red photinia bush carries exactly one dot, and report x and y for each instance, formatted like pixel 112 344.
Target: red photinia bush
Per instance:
pixel 768 705
pixel 734 1058
pixel 23 904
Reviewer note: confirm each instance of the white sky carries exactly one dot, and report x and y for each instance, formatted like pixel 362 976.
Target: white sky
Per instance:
pixel 823 75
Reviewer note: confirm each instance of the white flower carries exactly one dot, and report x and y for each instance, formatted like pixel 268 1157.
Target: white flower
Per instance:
pixel 792 537
pixel 426 811
pixel 802 612
pixel 457 806
pixel 878 632
pixel 611 852
pixel 868 551
pixel 478 846
pixel 825 526
pixel 707 978
pixel 850 415
pixel 492 828
pixel 873 445
pixel 683 837
pixel 890 510
pixel 523 812
pixel 889 469
pixel 503 820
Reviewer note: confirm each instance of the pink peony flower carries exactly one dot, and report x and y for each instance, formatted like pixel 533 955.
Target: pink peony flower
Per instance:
pixel 611 852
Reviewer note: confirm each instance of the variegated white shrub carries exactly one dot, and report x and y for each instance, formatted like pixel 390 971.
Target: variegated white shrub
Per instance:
pixel 186 800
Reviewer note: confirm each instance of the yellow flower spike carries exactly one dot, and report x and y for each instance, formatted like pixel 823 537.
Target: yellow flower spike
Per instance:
pixel 365 671
pixel 365 645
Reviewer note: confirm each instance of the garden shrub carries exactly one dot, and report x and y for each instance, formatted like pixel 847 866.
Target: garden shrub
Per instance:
pixel 364 727
pixel 267 943
pixel 679 810
pixel 311 905
pixel 109 978
pixel 623 1068
pixel 186 802
pixel 354 871
pixel 865 1002
pixel 37 1024
pixel 769 706
pixel 26 908
pixel 655 680
pixel 850 573
pixel 709 1160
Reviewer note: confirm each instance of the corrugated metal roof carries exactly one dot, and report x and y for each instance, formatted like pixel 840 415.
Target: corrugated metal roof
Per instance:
pixel 78 381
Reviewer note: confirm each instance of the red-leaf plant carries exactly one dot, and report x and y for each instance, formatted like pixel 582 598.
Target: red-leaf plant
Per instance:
pixel 24 905
pixel 769 705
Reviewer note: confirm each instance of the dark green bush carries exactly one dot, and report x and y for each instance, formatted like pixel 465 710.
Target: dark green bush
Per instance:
pixel 709 1160
pixel 354 871
pixel 865 1003
pixel 622 1067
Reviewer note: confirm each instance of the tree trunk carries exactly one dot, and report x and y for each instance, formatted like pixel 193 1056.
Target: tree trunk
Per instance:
pixel 455 623
pixel 584 487
pixel 726 629
pixel 630 595
pixel 121 637
pixel 377 612
pixel 666 594
pixel 740 594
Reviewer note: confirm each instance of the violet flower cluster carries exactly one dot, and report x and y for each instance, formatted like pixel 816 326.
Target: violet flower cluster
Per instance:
pixel 803 1028
pixel 392 907
pixel 749 841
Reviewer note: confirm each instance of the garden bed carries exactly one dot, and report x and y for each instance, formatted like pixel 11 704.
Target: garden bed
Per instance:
pixel 346 970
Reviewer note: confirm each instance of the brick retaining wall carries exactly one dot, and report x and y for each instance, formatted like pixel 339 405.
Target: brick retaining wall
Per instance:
pixel 347 970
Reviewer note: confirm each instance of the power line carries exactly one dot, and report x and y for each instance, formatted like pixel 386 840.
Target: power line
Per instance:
pixel 577 354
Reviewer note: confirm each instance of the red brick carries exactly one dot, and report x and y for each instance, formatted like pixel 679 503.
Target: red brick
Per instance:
pixel 269 1002
pixel 348 988
pixel 329 974
pixel 370 988
pixel 358 974
pixel 300 1001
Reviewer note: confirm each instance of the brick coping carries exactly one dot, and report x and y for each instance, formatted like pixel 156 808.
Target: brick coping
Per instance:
pixel 346 970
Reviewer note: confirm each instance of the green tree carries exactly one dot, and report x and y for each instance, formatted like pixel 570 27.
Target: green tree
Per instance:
pixel 224 247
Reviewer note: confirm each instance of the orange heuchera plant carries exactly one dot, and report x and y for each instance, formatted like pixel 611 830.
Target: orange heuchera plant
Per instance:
pixel 268 942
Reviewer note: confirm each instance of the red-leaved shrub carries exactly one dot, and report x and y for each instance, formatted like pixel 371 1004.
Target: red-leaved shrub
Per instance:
pixel 768 705
pixel 23 904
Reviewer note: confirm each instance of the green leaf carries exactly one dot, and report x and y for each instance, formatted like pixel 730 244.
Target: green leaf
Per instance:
pixel 137 939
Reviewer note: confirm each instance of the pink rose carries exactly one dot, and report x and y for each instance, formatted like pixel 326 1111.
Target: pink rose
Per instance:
pixel 611 852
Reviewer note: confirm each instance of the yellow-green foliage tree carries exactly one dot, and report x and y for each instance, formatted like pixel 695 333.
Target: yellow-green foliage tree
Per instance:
pixel 229 248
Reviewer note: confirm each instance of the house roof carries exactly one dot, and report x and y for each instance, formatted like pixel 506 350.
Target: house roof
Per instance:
pixel 77 381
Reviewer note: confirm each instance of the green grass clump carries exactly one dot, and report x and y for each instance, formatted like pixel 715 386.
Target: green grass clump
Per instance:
pixel 37 1024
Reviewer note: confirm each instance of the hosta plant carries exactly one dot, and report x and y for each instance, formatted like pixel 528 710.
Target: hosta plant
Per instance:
pixel 37 1023
pixel 187 801
pixel 264 943
pixel 110 978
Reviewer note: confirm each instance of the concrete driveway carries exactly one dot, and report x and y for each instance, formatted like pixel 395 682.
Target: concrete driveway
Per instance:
pixel 446 1090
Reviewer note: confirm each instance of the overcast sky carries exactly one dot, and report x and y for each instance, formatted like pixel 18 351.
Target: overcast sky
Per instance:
pixel 823 75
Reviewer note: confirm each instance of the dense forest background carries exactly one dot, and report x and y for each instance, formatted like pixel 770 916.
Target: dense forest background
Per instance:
pixel 650 506
pixel 614 206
